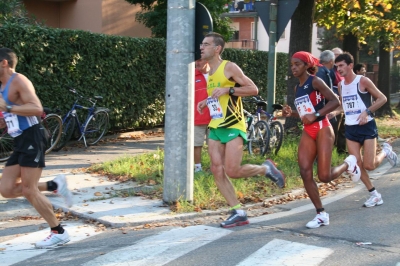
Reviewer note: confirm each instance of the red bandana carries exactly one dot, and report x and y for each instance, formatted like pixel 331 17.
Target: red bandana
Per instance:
pixel 307 58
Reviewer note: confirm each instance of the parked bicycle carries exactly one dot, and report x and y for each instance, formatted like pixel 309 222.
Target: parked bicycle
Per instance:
pixel 257 134
pixel 92 129
pixel 52 125
pixel 275 126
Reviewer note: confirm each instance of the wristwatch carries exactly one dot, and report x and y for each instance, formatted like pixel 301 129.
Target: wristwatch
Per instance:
pixel 317 114
pixel 369 112
pixel 231 91
pixel 8 108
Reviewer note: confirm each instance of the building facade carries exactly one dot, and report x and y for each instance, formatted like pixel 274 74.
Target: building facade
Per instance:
pixel 114 17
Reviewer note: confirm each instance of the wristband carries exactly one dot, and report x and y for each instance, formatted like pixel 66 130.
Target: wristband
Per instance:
pixel 8 108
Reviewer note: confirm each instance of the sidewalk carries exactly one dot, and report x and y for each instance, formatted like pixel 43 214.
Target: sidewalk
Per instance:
pixel 97 198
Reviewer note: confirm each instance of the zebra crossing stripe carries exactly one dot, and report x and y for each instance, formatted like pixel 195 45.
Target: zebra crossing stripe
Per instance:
pixel 21 248
pixel 280 252
pixel 162 248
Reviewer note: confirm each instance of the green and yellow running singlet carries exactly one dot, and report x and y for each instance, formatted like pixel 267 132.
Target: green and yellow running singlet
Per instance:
pixel 231 106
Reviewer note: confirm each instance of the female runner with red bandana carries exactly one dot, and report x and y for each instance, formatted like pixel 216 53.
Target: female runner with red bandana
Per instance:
pixel 317 137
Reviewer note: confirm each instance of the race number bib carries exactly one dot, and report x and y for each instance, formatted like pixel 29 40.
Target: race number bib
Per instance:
pixel 304 105
pixel 215 108
pixel 12 124
pixel 350 105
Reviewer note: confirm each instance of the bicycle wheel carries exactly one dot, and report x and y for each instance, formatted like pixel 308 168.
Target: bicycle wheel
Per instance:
pixel 67 130
pixel 275 141
pixel 6 145
pixel 259 138
pixel 96 127
pixel 52 123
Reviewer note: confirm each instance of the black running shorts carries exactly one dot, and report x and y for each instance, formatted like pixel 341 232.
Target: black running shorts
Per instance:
pixel 29 148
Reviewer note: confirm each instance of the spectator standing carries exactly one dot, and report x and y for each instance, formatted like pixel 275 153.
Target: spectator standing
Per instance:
pixel 340 139
pixel 200 120
pixel 327 59
pixel 359 69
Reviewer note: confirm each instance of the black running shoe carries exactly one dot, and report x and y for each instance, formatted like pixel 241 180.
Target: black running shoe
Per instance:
pixel 235 220
pixel 274 174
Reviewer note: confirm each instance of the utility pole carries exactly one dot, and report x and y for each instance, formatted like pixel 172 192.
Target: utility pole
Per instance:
pixel 179 101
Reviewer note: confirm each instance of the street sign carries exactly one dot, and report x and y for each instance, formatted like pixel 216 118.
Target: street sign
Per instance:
pixel 286 9
pixel 203 25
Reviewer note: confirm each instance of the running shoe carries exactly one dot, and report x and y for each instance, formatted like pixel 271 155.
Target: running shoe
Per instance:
pixel 274 174
pixel 62 189
pixel 353 169
pixel 374 200
pixel 53 240
pixel 390 154
pixel 235 220
pixel 321 218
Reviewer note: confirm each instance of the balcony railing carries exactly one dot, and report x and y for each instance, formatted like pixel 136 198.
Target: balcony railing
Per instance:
pixel 242 44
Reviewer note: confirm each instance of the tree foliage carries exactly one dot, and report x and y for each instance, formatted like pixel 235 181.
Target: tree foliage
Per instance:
pixel 367 20
pixel 154 16
pixel 375 19
pixel 13 11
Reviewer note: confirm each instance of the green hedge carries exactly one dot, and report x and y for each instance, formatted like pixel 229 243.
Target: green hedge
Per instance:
pixel 255 65
pixel 128 72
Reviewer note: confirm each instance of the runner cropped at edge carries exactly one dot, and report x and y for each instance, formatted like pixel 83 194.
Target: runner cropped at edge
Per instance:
pixel 356 92
pixel 21 106
pixel 201 121
pixel 317 138
pixel 227 127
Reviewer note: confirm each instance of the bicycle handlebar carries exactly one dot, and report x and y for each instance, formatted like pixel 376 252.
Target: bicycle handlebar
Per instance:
pixel 260 102
pixel 96 98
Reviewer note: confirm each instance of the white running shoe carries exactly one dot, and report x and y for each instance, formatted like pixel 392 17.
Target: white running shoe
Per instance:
pixel 390 154
pixel 62 189
pixel 53 240
pixel 322 218
pixel 374 200
pixel 353 169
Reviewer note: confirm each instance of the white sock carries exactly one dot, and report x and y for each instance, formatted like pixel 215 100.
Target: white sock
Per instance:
pixel 197 166
pixel 374 193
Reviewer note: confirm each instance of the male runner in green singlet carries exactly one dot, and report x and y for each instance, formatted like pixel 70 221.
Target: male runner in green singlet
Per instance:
pixel 227 126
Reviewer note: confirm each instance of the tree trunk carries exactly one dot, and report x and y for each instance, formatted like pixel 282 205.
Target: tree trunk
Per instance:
pixel 384 79
pixel 351 45
pixel 300 40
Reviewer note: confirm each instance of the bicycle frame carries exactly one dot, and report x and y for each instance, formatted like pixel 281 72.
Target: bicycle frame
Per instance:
pixel 72 112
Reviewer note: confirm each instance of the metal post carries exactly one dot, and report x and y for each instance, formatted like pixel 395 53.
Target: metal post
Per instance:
pixel 273 9
pixel 179 101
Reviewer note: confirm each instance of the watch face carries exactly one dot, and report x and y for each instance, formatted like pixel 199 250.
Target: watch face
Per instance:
pixel 231 91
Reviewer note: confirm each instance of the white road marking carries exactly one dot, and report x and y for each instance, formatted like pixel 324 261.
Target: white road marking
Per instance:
pixel 22 248
pixel 280 252
pixel 162 248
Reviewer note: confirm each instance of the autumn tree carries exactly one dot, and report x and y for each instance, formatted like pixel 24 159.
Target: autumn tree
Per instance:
pixel 154 16
pixel 376 19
